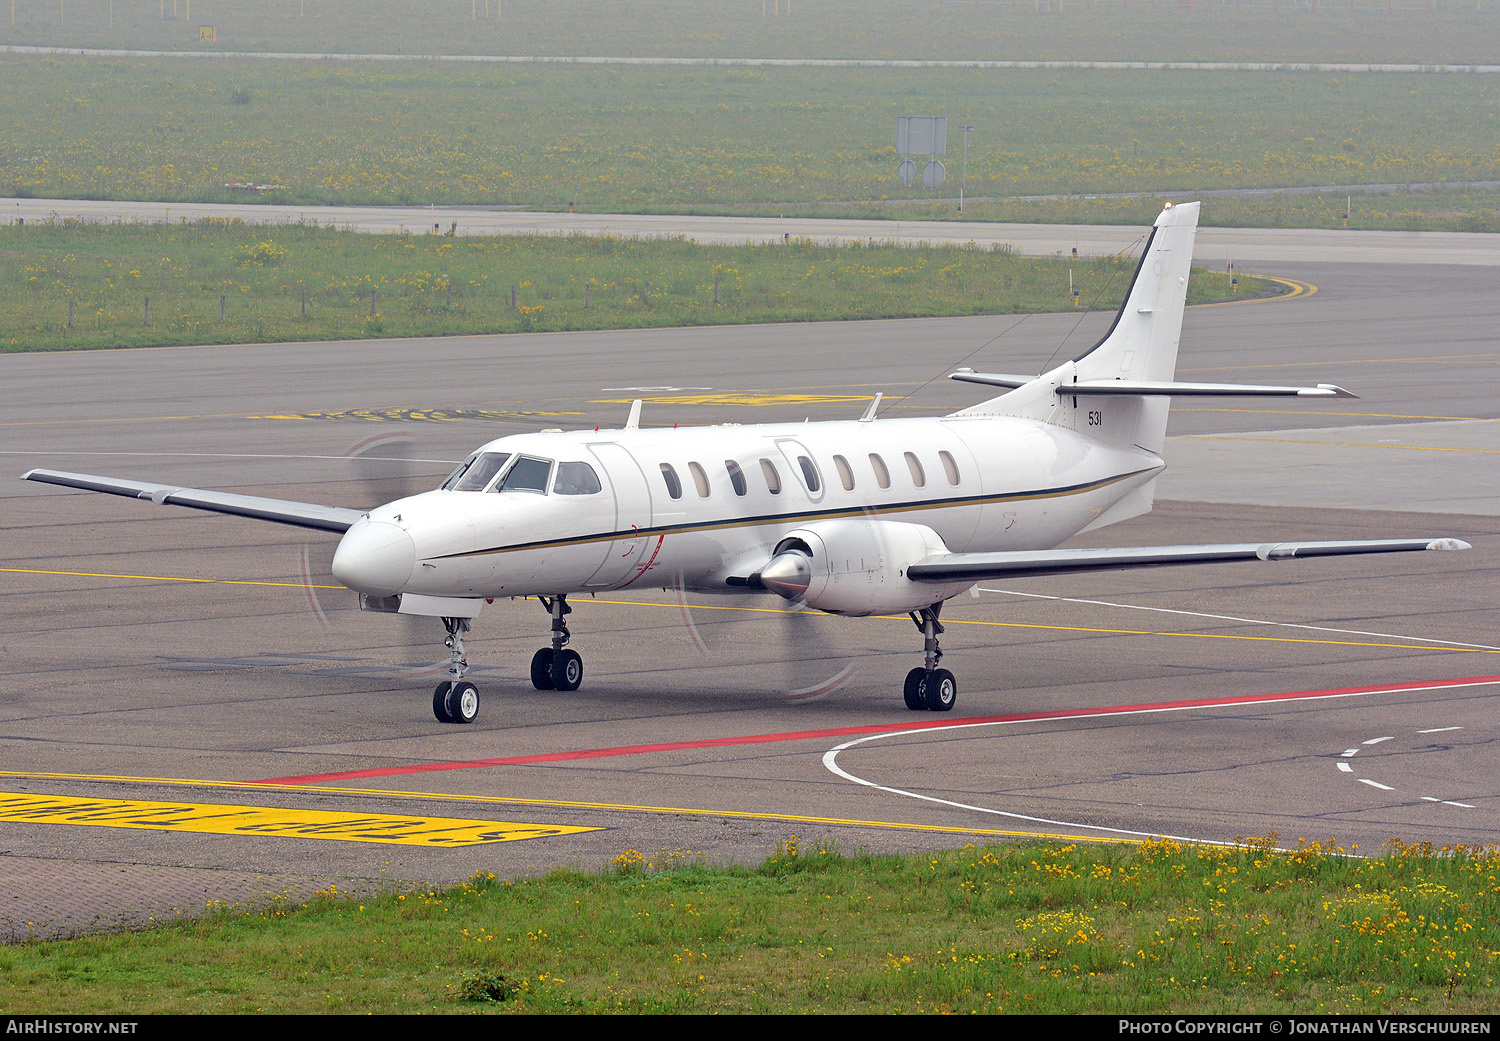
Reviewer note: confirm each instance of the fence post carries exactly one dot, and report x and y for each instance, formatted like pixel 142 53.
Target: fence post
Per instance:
pixel 148 310
pixel 512 296
pixel 70 314
pixel 586 288
pixel 304 303
pixel 372 303
pixel 716 288
pixel 221 308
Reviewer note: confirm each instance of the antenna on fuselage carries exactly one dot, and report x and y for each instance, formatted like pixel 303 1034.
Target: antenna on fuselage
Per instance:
pixel 633 421
pixel 869 416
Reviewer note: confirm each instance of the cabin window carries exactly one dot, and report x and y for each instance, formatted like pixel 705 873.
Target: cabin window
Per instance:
pixel 576 479
pixel 700 479
pixel 736 477
pixel 809 474
pixel 949 467
pixel 882 475
pixel 528 474
pixel 918 477
pixel 846 475
pixel 674 485
pixel 773 479
pixel 477 472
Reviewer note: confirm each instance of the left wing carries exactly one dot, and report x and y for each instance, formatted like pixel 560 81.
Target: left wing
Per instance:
pixel 282 511
pixel 950 567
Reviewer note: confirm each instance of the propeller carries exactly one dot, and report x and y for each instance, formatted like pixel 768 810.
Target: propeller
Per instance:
pixel 801 646
pixel 386 468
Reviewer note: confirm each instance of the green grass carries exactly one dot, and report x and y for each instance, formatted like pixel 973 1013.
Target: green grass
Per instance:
pixel 431 285
pixel 1027 927
pixel 814 140
pixel 1246 30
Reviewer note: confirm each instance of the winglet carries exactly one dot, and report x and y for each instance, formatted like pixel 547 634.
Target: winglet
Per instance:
pixel 1448 544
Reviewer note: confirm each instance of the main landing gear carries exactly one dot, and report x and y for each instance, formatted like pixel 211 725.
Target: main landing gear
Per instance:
pixel 556 667
pixel 930 687
pixel 456 700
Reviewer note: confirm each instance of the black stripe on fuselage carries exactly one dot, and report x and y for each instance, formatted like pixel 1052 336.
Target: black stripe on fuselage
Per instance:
pixel 835 513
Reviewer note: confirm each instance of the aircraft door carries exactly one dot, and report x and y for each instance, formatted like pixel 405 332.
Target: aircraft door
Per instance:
pixel 626 556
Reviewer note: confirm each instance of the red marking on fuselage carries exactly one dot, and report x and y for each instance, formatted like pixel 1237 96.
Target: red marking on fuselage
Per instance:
pixel 647 565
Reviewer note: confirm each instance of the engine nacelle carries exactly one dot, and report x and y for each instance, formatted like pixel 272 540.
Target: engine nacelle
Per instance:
pixel 856 567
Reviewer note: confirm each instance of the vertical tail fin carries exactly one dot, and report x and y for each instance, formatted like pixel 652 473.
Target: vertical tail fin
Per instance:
pixel 1141 345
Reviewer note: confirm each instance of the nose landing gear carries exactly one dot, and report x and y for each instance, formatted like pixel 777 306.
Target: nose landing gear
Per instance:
pixel 456 700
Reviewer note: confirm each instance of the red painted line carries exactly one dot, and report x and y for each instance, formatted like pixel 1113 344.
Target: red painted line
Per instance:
pixel 883 728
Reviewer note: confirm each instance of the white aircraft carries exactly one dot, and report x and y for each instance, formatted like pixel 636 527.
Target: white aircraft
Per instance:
pixel 861 517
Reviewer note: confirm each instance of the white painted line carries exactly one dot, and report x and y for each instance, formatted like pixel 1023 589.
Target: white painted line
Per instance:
pixel 1375 740
pixel 1346 768
pixel 1348 752
pixel 1465 805
pixel 1439 730
pixel 1236 618
pixel 1376 784
pixel 1428 798
pixel 830 757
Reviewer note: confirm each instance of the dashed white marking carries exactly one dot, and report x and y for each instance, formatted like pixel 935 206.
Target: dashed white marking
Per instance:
pixel 1344 767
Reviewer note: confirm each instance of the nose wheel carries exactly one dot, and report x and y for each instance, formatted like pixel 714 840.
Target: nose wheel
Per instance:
pixel 930 687
pixel 556 667
pixel 455 702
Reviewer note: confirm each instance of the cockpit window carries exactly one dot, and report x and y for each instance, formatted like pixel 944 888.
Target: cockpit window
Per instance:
pixel 576 479
pixel 529 474
pixel 477 472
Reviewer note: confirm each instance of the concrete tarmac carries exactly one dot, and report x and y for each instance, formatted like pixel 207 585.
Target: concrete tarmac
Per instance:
pixel 160 656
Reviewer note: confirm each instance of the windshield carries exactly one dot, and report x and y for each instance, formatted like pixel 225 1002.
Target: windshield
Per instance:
pixel 529 474
pixel 476 472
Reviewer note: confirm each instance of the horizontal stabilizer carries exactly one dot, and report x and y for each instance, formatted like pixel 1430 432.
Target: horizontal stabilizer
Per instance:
pixel 282 511
pixel 1157 388
pixel 991 379
pixel 1201 390
pixel 973 566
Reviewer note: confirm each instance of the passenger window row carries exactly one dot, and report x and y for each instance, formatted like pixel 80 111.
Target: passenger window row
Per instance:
pixel 810 476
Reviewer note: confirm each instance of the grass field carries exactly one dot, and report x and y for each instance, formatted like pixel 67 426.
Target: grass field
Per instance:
pixel 1443 31
pixel 1026 927
pixel 624 138
pixel 212 282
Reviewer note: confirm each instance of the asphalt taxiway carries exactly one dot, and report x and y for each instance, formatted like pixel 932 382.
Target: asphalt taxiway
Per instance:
pixel 189 713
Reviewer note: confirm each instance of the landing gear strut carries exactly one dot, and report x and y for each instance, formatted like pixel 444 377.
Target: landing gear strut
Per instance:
pixel 555 667
pixel 456 700
pixel 930 687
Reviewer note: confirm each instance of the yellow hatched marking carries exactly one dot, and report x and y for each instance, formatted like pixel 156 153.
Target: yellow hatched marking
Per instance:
pixel 225 819
pixel 508 800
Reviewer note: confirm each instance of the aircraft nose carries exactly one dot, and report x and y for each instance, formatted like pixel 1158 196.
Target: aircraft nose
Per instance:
pixel 375 557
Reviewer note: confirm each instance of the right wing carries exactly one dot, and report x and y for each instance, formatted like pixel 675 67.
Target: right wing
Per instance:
pixel 949 567
pixel 282 511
